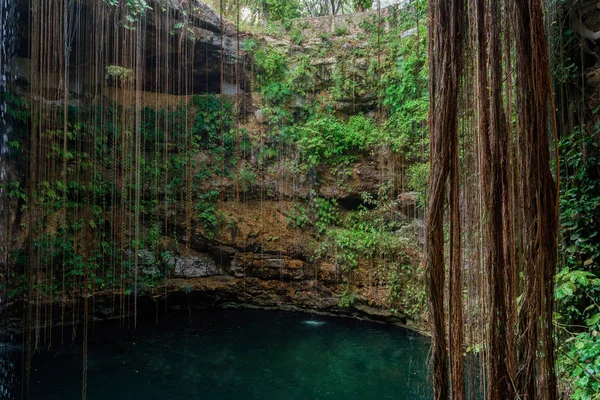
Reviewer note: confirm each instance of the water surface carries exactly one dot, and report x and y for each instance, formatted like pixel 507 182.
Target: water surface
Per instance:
pixel 236 354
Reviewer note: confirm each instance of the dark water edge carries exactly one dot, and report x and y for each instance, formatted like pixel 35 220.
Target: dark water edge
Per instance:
pixel 228 354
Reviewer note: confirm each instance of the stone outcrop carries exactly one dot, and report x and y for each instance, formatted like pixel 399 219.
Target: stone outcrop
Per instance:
pixel 192 265
pixel 260 261
pixel 215 46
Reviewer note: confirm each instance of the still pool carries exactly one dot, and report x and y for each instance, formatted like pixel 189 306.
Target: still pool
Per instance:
pixel 231 354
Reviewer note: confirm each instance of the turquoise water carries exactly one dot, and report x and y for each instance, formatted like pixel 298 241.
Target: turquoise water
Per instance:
pixel 238 354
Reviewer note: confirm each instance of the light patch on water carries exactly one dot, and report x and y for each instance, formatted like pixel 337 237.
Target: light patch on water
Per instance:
pixel 312 322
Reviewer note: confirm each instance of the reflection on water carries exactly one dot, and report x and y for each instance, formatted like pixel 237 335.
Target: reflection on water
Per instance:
pixel 238 354
pixel 312 322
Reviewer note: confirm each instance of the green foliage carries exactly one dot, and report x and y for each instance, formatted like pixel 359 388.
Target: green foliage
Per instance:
pixel 17 108
pixel 418 176
pixel 98 192
pixel 579 206
pixel 581 365
pixel 213 120
pixel 311 137
pixel 574 289
pixel 577 288
pixel 245 176
pixel 325 213
pixel 265 13
pixel 362 5
pixel 296 36
pixel 405 286
pixel 350 246
pixel 282 10
pixel 353 79
pixel 588 356
pixel 206 207
pixel 300 76
pixel 405 94
pixel 133 10
pixel 399 81
pixel 297 217
pixel 270 70
pixel 347 298
pixel 15 191
pixel 361 234
pixel 277 78
pixel 118 72
pixel 326 139
pixel 341 31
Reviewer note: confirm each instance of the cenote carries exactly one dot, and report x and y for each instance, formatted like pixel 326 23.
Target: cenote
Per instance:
pixel 427 164
pixel 231 354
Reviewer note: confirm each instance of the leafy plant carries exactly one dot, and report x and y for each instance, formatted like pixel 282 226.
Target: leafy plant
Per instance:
pixel 297 216
pixel 341 30
pixel 325 212
pixel 577 290
pixel 134 10
pixel 580 220
pixel 418 177
pixel 118 72
pixel 347 298
pixel 327 139
pixel 212 124
pixel 206 207
pixel 296 36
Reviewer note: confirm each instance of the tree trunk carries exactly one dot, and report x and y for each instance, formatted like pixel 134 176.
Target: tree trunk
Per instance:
pixel 444 65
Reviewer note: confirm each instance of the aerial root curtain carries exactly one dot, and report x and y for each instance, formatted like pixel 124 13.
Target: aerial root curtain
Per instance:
pixel 481 52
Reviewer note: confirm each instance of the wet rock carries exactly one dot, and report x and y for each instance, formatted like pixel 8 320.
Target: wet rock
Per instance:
pixel 267 267
pixel 215 47
pixel 379 314
pixel 147 263
pixel 196 265
pixel 224 255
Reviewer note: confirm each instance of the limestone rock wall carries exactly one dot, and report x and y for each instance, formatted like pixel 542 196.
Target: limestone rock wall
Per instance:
pixel 255 256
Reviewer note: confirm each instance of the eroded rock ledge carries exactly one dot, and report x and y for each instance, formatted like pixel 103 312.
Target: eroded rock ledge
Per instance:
pixel 223 291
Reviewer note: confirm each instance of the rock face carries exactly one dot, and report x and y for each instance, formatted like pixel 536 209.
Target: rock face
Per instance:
pixel 194 265
pixel 255 257
pixel 263 262
pixel 213 41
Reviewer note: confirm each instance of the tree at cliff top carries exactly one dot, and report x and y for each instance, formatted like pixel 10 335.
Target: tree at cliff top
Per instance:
pixel 256 11
pixel 477 58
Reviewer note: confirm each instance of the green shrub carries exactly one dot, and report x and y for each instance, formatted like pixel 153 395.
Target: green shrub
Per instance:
pixel 296 36
pixel 347 298
pixel 577 289
pixel 206 207
pixel 297 217
pixel 328 139
pixel 341 30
